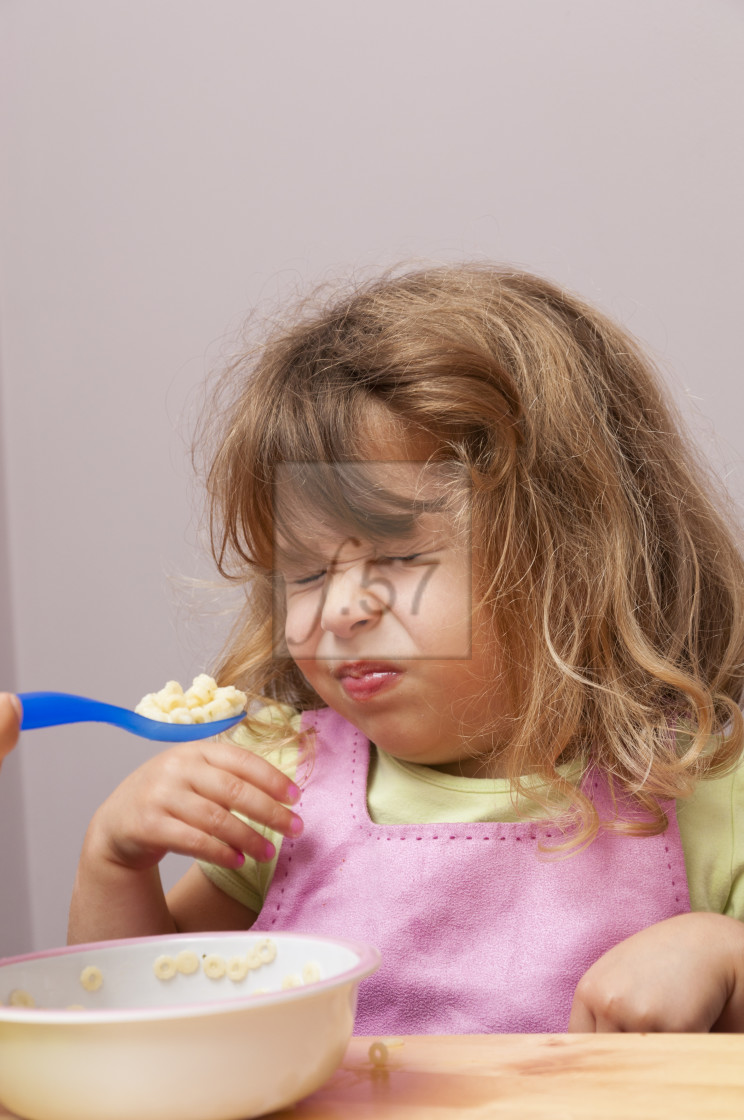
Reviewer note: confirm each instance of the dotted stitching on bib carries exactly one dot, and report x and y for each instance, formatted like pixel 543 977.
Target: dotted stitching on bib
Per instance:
pixel 286 875
pixel 378 834
pixel 674 883
pixel 381 835
pixel 291 843
pixel 353 774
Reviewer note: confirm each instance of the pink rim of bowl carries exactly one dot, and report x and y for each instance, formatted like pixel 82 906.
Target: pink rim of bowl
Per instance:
pixel 369 962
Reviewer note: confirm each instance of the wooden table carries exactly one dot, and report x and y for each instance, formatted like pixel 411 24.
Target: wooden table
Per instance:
pixel 534 1077
pixel 537 1077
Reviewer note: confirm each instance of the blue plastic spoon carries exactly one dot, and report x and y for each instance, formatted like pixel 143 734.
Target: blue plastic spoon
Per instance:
pixel 49 709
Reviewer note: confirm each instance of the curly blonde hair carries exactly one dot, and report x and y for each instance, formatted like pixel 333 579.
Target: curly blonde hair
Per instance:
pixel 605 552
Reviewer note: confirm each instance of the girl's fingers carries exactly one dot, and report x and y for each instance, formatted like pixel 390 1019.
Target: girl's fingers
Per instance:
pixel 186 840
pixel 198 829
pixel 185 800
pixel 250 768
pixel 224 792
pixel 211 823
pixel 581 1020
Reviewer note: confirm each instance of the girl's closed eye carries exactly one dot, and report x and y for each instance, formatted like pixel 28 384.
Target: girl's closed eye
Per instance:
pixel 315 577
pixel 397 559
pixel 302 581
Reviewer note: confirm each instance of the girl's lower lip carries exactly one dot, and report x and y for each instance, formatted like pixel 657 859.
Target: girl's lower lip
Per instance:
pixel 369 684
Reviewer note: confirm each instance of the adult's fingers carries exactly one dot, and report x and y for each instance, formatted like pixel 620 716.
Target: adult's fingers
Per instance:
pixel 11 714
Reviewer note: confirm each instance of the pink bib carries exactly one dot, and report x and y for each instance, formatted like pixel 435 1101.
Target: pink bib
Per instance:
pixel 479 931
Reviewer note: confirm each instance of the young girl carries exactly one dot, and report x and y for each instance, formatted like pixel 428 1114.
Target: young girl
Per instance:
pixel 494 639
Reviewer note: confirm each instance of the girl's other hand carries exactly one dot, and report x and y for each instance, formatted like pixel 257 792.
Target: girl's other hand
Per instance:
pixel 181 801
pixel 682 974
pixel 11 714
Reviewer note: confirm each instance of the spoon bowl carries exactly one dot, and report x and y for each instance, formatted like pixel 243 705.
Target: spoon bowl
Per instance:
pixel 50 709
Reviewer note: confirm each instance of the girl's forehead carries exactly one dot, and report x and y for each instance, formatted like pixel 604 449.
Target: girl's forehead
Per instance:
pixel 392 485
pixel 369 500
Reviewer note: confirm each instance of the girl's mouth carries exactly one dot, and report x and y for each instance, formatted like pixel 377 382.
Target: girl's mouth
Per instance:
pixel 361 680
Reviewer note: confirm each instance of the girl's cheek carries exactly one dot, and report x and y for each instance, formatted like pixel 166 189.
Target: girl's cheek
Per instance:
pixel 439 612
pixel 301 627
pixel 312 671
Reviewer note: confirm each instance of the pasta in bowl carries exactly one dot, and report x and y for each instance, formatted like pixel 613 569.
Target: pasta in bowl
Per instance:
pixel 218 1026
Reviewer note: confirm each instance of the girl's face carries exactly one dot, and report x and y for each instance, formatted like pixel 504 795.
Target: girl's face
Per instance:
pixel 386 634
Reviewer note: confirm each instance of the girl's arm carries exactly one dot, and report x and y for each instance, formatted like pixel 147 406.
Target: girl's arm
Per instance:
pixel 683 974
pixel 179 801
pixel 197 903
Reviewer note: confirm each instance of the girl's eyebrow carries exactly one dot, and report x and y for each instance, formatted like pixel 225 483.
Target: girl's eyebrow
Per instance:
pixel 291 557
pixel 295 553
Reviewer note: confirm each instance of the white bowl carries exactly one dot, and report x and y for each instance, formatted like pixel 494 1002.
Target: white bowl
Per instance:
pixel 191 1047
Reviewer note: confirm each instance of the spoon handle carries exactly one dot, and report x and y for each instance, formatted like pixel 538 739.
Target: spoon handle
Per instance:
pixel 48 709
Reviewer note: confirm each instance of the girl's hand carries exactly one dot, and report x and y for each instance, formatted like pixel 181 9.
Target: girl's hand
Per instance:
pixel 682 974
pixel 180 801
pixel 10 722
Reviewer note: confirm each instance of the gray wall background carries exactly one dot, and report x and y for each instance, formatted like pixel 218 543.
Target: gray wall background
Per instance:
pixel 169 164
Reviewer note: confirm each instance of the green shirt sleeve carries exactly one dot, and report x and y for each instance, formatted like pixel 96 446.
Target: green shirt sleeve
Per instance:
pixel 711 825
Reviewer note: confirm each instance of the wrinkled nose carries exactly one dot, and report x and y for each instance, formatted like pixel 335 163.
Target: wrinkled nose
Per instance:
pixel 350 603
